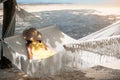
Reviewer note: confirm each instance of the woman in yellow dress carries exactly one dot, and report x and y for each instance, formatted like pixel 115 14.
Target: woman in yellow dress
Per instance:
pixel 35 47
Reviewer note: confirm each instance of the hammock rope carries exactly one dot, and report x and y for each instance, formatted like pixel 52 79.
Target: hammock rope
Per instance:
pixel 106 46
pixel 25 20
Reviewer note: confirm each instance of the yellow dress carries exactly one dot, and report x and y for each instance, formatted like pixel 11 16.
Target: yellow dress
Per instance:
pixel 39 51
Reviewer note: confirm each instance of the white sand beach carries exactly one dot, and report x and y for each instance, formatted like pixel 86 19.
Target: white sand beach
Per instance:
pixel 105 10
pixel 94 73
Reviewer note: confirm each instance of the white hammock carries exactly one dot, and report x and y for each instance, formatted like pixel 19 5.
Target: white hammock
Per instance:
pixel 15 51
pixel 104 43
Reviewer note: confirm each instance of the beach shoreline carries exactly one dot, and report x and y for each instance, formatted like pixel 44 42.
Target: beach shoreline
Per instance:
pixel 49 7
pixel 106 10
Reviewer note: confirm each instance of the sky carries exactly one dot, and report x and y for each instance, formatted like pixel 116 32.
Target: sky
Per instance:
pixel 82 2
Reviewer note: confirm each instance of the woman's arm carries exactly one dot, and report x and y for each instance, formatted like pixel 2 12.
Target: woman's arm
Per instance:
pixel 45 46
pixel 29 52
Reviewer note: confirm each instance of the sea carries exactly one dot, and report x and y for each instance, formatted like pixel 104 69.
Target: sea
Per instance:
pixel 45 1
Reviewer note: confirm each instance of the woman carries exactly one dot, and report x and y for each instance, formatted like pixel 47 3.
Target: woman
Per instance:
pixel 35 47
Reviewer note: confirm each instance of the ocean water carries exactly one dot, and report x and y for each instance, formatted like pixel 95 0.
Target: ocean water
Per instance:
pixel 44 1
pixel 28 2
pixel 84 2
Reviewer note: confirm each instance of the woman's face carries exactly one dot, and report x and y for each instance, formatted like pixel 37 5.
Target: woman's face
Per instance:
pixel 39 36
pixel 31 39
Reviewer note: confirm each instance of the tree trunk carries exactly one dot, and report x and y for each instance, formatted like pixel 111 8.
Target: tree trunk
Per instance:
pixel 8 29
pixel 9 8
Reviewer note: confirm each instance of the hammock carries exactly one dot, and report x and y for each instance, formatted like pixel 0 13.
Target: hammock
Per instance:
pixel 15 50
pixel 104 43
pixel 105 46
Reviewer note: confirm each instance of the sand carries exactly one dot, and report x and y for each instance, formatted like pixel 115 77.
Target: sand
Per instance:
pixel 51 7
pixel 94 73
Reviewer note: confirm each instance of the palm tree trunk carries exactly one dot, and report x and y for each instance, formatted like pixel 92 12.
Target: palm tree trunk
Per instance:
pixel 9 8
pixel 8 29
